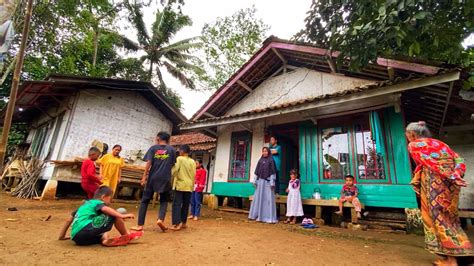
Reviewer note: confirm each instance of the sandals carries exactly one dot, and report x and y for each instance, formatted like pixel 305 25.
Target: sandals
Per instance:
pixel 137 228
pixel 162 226
pixel 135 235
pixel 287 221
pixel 117 241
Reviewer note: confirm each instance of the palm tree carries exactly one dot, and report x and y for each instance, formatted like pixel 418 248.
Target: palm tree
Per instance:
pixel 159 51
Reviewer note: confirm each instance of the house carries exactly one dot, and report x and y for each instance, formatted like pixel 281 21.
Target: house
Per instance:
pixel 66 114
pixel 203 147
pixel 331 121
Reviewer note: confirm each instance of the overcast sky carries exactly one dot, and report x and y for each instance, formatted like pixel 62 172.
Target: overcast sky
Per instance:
pixel 283 18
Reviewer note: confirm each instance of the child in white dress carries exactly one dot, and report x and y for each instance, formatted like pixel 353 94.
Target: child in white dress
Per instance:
pixel 294 207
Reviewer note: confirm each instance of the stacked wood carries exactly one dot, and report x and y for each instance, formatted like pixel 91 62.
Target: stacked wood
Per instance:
pixel 131 174
pixel 30 173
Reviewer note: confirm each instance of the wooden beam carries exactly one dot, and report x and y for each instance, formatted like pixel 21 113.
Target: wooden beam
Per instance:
pixel 283 60
pixel 331 63
pixel 346 100
pixel 446 107
pixel 243 85
pixel 432 70
pixel 210 115
pixel 391 73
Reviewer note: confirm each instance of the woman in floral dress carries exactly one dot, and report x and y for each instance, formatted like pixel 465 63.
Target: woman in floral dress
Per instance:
pixel 438 179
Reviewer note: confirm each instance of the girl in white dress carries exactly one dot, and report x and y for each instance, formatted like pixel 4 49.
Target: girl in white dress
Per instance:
pixel 294 207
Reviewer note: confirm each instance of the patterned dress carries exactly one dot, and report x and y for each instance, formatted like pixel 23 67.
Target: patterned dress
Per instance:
pixel 437 169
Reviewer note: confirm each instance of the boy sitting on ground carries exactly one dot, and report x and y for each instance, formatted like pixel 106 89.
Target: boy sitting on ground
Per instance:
pixel 349 193
pixel 94 219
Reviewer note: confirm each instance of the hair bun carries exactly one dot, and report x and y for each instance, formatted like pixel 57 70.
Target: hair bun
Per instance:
pixel 422 123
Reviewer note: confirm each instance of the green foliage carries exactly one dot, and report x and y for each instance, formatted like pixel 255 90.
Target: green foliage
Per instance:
pixel 160 52
pixel 363 30
pixel 228 43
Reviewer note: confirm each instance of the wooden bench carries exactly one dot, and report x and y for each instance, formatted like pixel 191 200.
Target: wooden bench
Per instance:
pixel 319 204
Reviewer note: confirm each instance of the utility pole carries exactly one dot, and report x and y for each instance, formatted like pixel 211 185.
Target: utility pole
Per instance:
pixel 16 81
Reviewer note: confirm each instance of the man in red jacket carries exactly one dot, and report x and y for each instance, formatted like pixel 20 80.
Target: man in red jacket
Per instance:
pixel 90 182
pixel 196 197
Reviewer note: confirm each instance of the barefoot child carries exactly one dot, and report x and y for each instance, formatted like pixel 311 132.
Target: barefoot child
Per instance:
pixel 94 219
pixel 90 182
pixel 294 206
pixel 183 172
pixel 349 193
pixel 196 197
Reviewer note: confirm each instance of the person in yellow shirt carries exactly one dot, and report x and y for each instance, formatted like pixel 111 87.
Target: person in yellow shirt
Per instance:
pixel 183 174
pixel 111 166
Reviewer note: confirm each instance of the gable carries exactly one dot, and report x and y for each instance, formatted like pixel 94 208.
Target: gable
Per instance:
pixel 293 86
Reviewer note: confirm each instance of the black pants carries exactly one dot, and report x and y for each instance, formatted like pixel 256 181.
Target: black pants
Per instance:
pixel 147 196
pixel 181 202
pixel 92 233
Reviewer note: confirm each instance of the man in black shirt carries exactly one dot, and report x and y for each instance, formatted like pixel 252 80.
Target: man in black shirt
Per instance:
pixel 160 158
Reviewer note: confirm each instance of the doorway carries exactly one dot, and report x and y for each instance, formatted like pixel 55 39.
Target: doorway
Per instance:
pixel 288 139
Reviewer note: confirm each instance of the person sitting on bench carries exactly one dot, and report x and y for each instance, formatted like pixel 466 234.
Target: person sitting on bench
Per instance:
pixel 349 193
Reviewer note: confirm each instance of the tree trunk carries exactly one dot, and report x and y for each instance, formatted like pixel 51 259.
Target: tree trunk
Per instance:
pixel 150 72
pixel 14 89
pixel 96 46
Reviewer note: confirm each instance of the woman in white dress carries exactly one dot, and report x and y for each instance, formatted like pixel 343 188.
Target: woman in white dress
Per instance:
pixel 294 207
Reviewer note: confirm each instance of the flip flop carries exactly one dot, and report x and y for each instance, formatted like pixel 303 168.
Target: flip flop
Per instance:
pixel 118 241
pixel 137 228
pixel 162 226
pixel 135 235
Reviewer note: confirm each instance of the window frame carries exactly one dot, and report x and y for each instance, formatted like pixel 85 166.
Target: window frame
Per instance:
pixel 351 122
pixel 237 136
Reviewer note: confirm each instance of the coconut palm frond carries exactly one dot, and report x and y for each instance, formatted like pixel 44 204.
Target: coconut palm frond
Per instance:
pixel 128 44
pixel 136 18
pixel 176 56
pixel 179 75
pixel 183 45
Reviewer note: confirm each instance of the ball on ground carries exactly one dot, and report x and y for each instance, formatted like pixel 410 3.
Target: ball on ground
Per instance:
pixel 122 210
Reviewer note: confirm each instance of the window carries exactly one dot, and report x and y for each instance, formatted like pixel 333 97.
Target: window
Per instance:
pixel 353 145
pixel 369 156
pixel 240 157
pixel 335 147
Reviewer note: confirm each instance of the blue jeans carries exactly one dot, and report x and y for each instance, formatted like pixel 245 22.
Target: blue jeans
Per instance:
pixel 196 203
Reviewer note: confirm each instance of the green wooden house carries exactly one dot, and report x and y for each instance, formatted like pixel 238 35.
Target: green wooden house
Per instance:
pixel 329 120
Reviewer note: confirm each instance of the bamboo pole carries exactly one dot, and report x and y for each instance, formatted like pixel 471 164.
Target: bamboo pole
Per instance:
pixel 14 89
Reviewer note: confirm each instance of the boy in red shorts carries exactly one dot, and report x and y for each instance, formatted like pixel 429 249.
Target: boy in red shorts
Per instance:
pixel 90 182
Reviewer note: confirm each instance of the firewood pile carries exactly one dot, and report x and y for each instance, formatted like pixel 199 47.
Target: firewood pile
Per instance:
pixel 30 175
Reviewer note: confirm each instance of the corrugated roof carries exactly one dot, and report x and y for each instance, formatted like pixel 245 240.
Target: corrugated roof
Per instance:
pixel 34 96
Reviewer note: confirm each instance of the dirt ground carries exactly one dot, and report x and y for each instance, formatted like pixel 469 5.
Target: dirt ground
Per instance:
pixel 218 238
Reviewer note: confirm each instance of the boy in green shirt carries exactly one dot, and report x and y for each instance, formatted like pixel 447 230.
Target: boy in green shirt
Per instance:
pixel 183 172
pixel 92 221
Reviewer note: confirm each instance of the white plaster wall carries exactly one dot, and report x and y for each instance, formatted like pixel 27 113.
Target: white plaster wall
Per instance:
pixel 258 141
pixel 293 86
pixel 113 117
pixel 221 166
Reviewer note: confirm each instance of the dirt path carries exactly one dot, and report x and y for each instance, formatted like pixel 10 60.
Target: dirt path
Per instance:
pixel 219 238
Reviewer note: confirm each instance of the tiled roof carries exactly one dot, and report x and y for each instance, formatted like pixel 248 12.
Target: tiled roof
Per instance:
pixel 275 53
pixel 191 138
pixel 375 85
